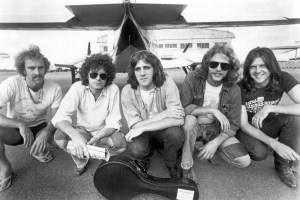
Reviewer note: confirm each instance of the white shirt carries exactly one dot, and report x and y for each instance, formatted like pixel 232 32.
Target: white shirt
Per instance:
pixel 92 115
pixel 211 99
pixel 14 93
pixel 149 100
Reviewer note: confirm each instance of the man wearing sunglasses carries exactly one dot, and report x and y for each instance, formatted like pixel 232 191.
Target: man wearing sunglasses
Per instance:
pixel 153 111
pixel 96 100
pixel 212 104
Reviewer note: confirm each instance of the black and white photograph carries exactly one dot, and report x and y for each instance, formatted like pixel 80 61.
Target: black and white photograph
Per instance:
pixel 149 100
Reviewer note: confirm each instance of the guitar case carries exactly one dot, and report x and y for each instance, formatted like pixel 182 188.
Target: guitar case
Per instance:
pixel 122 178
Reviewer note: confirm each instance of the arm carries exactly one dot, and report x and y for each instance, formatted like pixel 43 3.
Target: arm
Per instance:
pixel 291 109
pixel 43 136
pixel 79 142
pixel 159 125
pixel 22 126
pixel 281 149
pixel 211 147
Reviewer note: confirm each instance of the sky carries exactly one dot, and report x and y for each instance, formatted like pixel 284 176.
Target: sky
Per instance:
pixel 66 46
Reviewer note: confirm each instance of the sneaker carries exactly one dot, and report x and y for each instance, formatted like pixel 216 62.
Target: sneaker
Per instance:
pixel 287 176
pixel 175 172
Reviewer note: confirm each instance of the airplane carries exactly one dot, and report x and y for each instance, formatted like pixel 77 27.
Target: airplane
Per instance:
pixel 287 49
pixel 4 55
pixel 131 22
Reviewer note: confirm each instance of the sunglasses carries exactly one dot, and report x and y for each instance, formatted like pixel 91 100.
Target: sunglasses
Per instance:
pixel 224 66
pixel 94 75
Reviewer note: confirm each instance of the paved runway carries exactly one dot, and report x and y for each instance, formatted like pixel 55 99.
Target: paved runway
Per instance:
pixel 55 180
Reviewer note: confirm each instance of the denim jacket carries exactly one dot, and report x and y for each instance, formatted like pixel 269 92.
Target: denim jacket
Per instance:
pixel 192 96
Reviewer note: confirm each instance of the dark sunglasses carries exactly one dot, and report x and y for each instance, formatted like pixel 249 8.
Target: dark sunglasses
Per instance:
pixel 224 66
pixel 94 75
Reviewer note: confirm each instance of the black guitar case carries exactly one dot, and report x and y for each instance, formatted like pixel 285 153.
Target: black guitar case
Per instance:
pixel 122 178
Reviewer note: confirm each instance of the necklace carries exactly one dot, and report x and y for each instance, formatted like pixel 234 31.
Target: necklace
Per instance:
pixel 40 96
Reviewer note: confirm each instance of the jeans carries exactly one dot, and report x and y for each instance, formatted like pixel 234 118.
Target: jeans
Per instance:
pixel 231 151
pixel 171 139
pixel 284 127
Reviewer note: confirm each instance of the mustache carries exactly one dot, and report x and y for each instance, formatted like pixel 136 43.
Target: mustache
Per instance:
pixel 37 76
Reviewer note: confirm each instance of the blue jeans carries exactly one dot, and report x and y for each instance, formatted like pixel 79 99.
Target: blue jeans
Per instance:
pixel 231 151
pixel 284 127
pixel 171 139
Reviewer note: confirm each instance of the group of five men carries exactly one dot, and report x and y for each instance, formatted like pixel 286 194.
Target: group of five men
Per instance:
pixel 211 117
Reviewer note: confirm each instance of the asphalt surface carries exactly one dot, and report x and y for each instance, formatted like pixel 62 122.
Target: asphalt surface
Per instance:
pixel 55 180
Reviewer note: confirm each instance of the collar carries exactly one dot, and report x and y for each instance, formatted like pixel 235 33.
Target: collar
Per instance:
pixel 103 92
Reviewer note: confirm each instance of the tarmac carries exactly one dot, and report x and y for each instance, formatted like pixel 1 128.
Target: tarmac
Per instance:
pixel 55 180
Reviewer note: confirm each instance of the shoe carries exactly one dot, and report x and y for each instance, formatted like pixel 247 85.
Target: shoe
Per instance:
pixel 5 183
pixel 81 170
pixel 287 176
pixel 175 172
pixel 44 158
pixel 190 173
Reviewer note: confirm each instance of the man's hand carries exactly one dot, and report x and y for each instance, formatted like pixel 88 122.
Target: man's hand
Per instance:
pixel 133 133
pixel 209 150
pixel 259 117
pixel 225 125
pixel 80 148
pixel 175 112
pixel 285 151
pixel 40 142
pixel 96 138
pixel 26 134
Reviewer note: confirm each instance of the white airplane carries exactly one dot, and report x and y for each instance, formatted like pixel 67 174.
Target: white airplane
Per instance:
pixel 287 49
pixel 131 20
pixel 4 55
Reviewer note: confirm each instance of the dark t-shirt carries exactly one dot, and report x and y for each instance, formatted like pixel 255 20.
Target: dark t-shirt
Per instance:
pixel 254 100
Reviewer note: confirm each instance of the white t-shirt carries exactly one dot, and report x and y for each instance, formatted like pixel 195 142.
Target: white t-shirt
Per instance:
pixel 15 94
pixel 149 100
pixel 211 99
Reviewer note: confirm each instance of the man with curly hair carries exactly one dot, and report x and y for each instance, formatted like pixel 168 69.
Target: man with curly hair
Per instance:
pixel 152 108
pixel 212 103
pixel 96 100
pixel 27 97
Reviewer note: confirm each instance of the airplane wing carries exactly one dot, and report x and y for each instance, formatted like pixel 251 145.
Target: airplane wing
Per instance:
pixel 148 16
pixel 290 47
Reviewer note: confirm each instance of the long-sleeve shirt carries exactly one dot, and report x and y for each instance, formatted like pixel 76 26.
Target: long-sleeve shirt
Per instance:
pixel 92 115
pixel 134 109
pixel 192 96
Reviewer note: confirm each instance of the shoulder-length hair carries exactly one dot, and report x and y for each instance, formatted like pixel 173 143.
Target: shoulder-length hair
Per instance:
pixel 96 62
pixel 159 76
pixel 271 63
pixel 32 53
pixel 232 74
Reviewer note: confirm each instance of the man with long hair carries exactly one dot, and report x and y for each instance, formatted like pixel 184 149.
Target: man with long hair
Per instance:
pixel 152 108
pixel 27 96
pixel 264 122
pixel 96 100
pixel 212 104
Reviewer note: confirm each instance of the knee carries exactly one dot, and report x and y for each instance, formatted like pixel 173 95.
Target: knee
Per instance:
pixel 258 154
pixel 119 141
pixel 61 139
pixel 137 150
pixel 175 134
pixel 190 122
pixel 243 161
